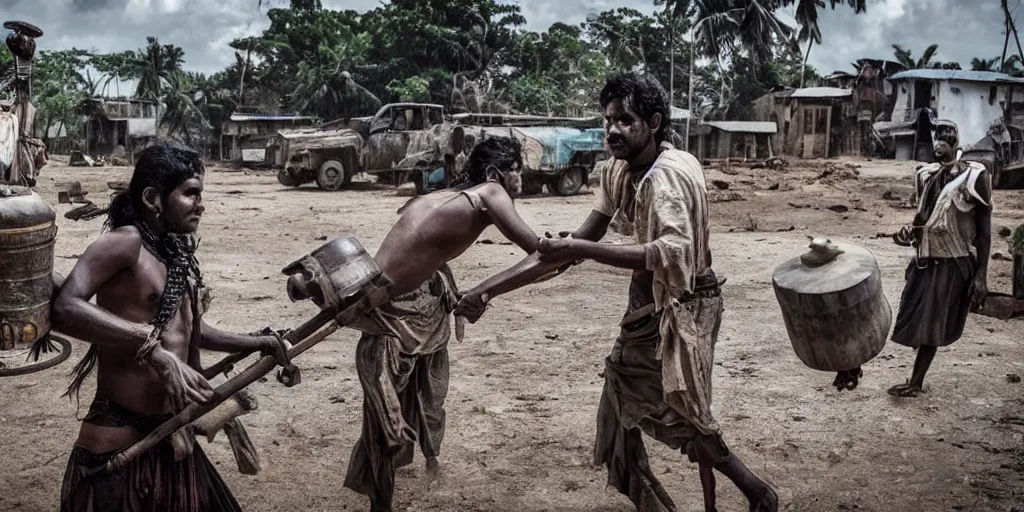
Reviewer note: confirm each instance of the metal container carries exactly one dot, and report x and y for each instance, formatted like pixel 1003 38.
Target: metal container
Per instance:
pixel 333 275
pixel 832 302
pixel 27 236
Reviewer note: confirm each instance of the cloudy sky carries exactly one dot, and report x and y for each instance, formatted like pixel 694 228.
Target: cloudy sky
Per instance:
pixel 204 27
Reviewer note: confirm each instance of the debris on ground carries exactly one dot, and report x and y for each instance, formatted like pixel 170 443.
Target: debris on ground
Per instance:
pixel 88 211
pixel 724 197
pixel 72 193
pixel 838 171
pixel 774 163
pixel 79 159
pixel 839 208
pixel 720 184
pixel 1004 231
pixel 1012 378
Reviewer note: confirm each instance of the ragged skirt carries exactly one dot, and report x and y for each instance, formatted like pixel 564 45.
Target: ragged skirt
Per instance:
pixel 405 383
pixel 935 302
pixel 152 482
pixel 634 402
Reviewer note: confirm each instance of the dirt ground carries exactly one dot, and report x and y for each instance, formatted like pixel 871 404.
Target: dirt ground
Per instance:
pixel 526 381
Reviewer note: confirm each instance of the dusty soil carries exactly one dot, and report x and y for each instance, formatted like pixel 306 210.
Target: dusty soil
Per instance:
pixel 525 383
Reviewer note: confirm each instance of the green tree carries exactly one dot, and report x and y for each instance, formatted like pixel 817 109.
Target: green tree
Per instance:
pixel 59 86
pixel 114 68
pixel 413 89
pixel 984 64
pixel 807 19
pixel 6 68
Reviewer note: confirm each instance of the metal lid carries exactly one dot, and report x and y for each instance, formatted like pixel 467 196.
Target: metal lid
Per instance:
pixel 20 207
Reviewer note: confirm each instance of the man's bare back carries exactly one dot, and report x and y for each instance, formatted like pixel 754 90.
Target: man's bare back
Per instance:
pixel 437 228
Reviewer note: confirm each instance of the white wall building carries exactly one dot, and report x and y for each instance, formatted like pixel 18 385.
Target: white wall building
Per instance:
pixel 973 100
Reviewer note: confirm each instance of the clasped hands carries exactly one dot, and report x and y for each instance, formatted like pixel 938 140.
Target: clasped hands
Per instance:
pixel 473 303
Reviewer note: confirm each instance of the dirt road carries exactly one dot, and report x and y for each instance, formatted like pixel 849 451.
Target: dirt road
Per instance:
pixel 526 381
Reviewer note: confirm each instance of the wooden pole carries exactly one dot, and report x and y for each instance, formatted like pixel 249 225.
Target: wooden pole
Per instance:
pixel 251 374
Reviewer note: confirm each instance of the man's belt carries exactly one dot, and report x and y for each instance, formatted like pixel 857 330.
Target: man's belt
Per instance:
pixel 705 286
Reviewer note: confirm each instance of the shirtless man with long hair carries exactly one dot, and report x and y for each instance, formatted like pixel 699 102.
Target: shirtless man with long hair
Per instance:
pixel 146 330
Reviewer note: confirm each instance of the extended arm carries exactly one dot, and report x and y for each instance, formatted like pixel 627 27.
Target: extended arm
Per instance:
pixel 220 341
pixel 631 256
pixel 505 217
pixel 532 268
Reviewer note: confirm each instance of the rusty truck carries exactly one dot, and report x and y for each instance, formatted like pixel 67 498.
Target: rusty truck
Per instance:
pixel 409 141
pixel 399 140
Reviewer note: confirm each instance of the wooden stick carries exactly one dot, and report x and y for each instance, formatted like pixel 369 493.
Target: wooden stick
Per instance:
pixel 301 332
pixel 251 374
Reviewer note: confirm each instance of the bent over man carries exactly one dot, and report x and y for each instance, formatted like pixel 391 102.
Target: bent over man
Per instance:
pixel 402 356
pixel 658 375
pixel 145 332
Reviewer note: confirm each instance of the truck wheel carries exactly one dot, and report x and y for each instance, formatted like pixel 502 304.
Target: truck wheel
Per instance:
pixel 569 181
pixel 286 178
pixel 331 176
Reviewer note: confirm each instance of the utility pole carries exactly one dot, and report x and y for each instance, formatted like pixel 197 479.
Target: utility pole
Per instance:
pixel 671 62
pixel 689 94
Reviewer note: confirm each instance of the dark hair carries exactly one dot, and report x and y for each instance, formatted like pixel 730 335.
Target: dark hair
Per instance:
pixel 643 94
pixel 160 166
pixel 501 152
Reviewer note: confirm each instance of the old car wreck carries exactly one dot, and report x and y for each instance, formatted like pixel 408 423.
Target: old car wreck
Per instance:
pixel 419 142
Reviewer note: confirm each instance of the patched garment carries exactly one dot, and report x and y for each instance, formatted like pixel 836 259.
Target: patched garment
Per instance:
pixel 945 210
pixel 419 320
pixel 402 362
pixel 666 211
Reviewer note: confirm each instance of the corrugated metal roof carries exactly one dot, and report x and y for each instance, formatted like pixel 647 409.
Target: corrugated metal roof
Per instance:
pixel 821 92
pixel 744 126
pixel 955 74
pixel 242 118
pixel 679 113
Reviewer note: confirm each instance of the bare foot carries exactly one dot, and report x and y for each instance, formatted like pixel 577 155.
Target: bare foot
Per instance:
pixel 847 379
pixel 767 502
pixel 433 469
pixel 907 390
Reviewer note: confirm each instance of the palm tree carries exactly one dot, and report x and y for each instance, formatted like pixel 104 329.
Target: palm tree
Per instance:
pixel 984 64
pixel 182 112
pixel 154 66
pixel 327 85
pixel 807 17
pixel 903 56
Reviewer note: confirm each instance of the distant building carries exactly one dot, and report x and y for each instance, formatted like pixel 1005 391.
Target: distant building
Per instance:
pixel 724 139
pixel 244 137
pixel 119 127
pixel 975 101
